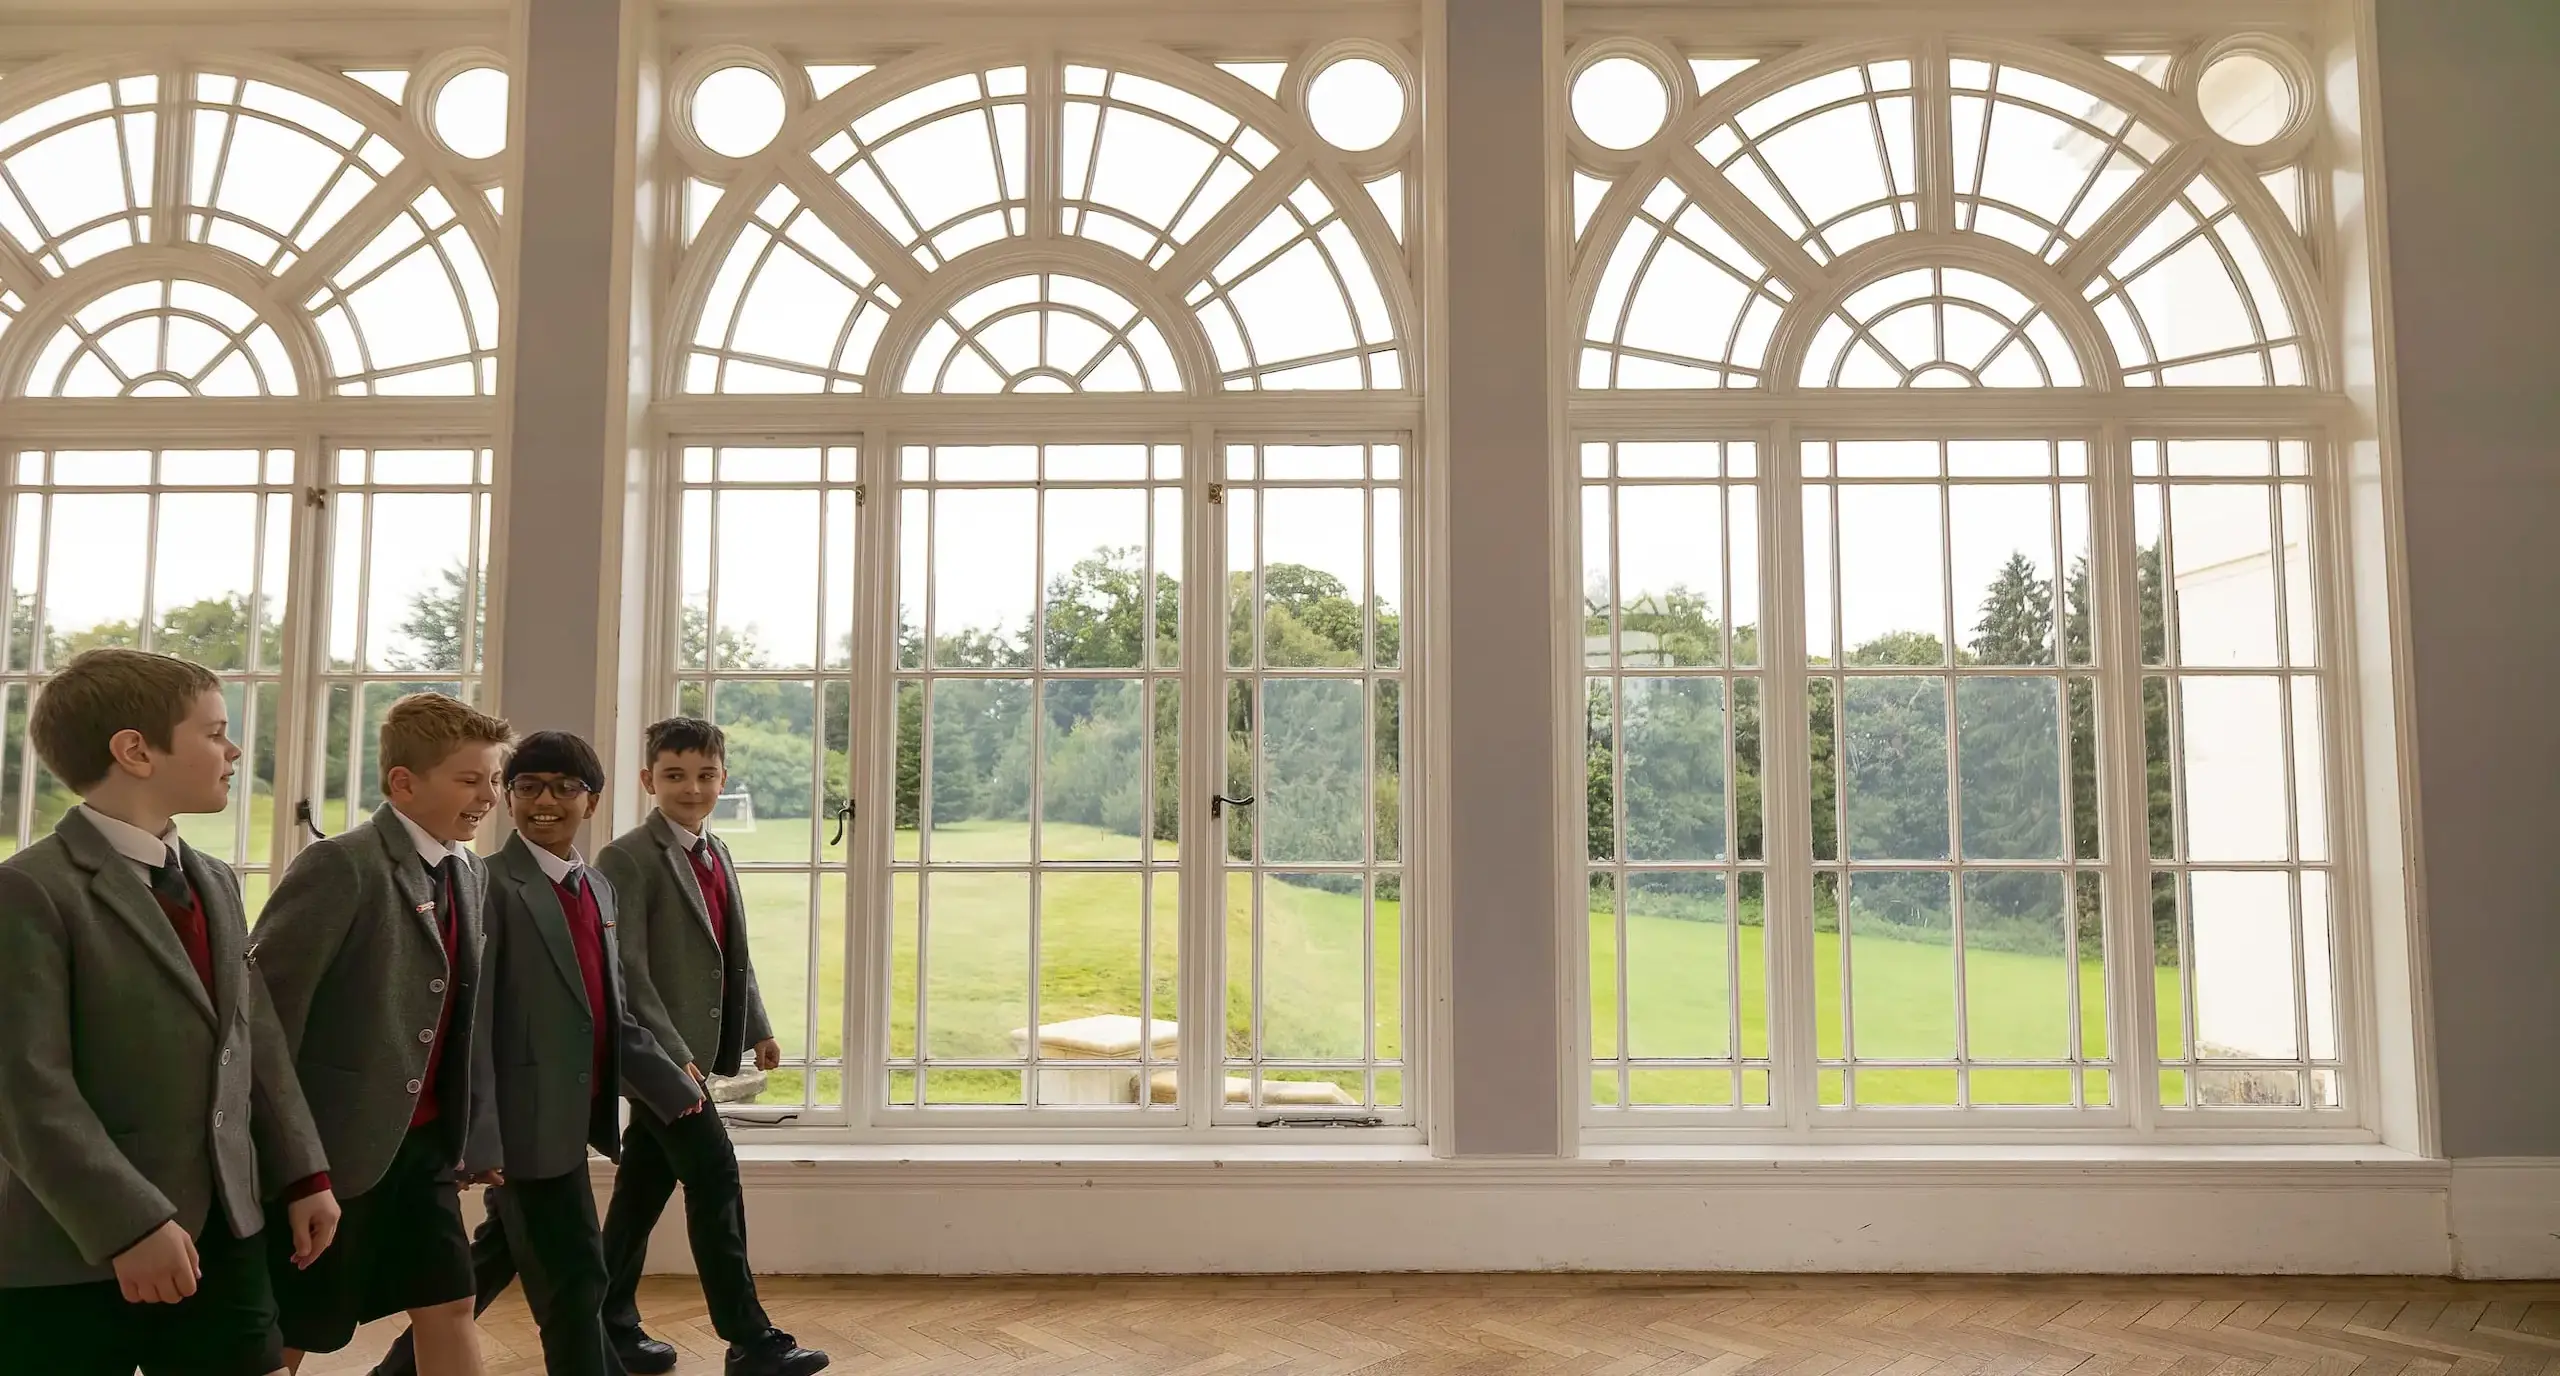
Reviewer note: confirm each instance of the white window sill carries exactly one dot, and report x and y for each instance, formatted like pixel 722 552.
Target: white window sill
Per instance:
pixel 1192 1165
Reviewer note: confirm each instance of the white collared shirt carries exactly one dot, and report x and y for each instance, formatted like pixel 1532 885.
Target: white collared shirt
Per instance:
pixel 553 866
pixel 684 838
pixel 132 842
pixel 431 851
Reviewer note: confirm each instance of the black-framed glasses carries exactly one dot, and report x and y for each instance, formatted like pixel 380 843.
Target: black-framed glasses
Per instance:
pixel 566 790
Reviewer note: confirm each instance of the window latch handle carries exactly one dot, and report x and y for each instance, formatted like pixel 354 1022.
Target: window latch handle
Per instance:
pixel 302 819
pixel 843 815
pixel 1219 803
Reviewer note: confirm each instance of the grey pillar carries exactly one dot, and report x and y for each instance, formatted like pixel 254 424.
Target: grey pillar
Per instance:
pixel 2469 106
pixel 568 411
pixel 1507 1060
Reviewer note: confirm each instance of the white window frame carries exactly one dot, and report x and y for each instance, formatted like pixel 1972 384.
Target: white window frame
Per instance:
pixel 882 421
pixel 1779 415
pixel 315 421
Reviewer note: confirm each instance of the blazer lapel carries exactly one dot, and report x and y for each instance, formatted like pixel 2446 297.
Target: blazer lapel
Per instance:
pixel 686 883
pixel 409 873
pixel 223 926
pixel 542 899
pixel 118 888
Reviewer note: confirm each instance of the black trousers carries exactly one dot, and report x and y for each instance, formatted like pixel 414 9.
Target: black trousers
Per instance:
pixel 551 1228
pixel 551 1225
pixel 693 1151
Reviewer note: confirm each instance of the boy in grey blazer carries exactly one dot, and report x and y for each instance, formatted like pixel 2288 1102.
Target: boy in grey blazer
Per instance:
pixel 693 984
pixel 147 1101
pixel 565 1046
pixel 371 947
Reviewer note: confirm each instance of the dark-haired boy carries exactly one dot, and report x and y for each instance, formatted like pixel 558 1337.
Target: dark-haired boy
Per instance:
pixel 371 947
pixel 693 984
pixel 146 1091
pixel 564 1045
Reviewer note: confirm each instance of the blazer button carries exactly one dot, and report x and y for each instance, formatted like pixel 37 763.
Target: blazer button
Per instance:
pixel 582 1077
pixel 416 1085
pixel 217 1117
pixel 435 986
pixel 426 1035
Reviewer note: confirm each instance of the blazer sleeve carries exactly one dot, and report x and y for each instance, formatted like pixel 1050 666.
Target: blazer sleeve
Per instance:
pixel 648 1075
pixel 759 1027
pixel 280 1120
pixel 49 1134
pixel 641 999
pixel 299 935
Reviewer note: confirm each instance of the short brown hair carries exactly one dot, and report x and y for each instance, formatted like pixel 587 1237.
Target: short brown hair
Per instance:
pixel 102 692
pixel 422 730
pixel 680 735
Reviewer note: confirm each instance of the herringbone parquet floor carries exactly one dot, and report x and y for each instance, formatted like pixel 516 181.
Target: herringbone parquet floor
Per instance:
pixel 1619 1325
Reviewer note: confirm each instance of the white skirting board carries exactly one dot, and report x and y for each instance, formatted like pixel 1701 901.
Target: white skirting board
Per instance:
pixel 2506 1218
pixel 1876 1213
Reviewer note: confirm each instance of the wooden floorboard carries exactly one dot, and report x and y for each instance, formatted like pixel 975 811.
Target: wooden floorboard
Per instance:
pixel 1610 1326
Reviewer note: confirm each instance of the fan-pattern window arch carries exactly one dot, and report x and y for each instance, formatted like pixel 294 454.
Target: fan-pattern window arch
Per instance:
pixel 1945 929
pixel 352 219
pixel 271 170
pixel 76 171
pixel 247 229
pixel 1282 275
pixel 941 168
pixel 1048 332
pixel 1940 327
pixel 793 309
pixel 2186 287
pixel 163 339
pixel 1147 165
pixel 413 312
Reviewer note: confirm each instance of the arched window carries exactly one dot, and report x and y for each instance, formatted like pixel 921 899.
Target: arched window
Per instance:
pixel 1945 561
pixel 1031 571
pixel 209 272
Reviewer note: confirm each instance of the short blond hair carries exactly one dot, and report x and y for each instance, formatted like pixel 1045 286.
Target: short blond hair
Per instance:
pixel 423 730
pixel 103 692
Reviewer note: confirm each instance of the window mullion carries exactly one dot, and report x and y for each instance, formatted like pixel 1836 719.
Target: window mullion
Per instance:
pixel 1786 782
pixel 872 767
pixel 2124 787
pixel 170 172
pixel 1934 173
pixel 301 654
pixel 1202 953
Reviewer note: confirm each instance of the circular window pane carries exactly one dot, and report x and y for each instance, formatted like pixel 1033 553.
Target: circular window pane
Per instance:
pixel 1619 102
pixel 471 112
pixel 1356 103
pixel 736 110
pixel 2245 98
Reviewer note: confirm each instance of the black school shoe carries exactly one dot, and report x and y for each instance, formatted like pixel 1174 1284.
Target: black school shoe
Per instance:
pixel 776 1354
pixel 643 1355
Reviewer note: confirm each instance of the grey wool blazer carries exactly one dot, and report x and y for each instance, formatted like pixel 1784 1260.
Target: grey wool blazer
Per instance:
pixel 695 995
pixel 541 1043
pixel 128 1098
pixel 353 956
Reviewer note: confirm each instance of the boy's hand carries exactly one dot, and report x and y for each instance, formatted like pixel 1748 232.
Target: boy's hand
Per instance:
pixel 492 1179
pixel 768 1054
pixel 160 1269
pixel 315 1225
